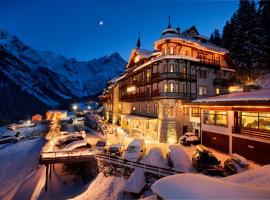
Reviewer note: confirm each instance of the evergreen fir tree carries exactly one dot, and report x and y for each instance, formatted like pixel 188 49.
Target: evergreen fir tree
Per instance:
pixel 264 14
pixel 241 36
pixel 215 37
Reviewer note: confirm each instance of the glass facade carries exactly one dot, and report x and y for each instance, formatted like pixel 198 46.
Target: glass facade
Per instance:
pixel 254 120
pixel 218 118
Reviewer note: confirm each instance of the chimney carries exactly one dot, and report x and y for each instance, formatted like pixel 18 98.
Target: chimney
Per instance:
pixel 178 30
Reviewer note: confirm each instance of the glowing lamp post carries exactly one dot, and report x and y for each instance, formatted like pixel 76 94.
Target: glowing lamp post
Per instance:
pixel 75 107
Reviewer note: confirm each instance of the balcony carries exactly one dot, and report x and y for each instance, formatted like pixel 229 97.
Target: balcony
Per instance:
pixel 178 95
pixel 210 61
pixel 173 75
pixel 251 132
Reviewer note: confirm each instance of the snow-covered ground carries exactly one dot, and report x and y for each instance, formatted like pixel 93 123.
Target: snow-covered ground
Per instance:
pixel 18 161
pixel 252 184
pixel 22 131
pixel 103 188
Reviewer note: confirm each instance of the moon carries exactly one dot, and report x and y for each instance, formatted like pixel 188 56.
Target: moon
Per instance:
pixel 101 22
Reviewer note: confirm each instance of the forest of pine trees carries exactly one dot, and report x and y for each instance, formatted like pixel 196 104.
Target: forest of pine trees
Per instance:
pixel 247 36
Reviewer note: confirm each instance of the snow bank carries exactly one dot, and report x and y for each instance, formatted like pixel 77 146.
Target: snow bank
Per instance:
pixel 186 186
pixel 259 177
pixel 103 188
pixel 155 158
pixel 18 161
pixel 180 159
pixel 136 181
pixel 243 161
pixel 24 131
pixel 75 145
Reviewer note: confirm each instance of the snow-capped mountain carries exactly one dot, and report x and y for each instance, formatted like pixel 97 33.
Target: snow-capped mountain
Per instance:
pixel 52 78
pixel 33 81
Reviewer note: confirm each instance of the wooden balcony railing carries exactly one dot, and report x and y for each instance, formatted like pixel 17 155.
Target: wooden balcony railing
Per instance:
pixel 174 75
pixel 210 61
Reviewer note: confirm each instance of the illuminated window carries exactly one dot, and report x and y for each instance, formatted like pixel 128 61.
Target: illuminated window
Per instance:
pixel 171 67
pixel 171 50
pixel 195 112
pixel 147 108
pixel 253 120
pixel 171 87
pixel 217 91
pixel 202 91
pixel 218 118
pixel 165 87
pixel 155 108
pixel 133 108
pixel 120 107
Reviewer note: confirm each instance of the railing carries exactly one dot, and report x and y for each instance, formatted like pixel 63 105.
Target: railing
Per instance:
pixel 65 154
pixel 209 61
pixel 160 171
pixel 173 75
pixel 251 131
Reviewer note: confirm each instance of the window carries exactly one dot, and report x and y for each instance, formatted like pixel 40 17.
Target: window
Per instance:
pixel 120 107
pixel 147 108
pixel 155 108
pixel 148 75
pixel 133 108
pixel 202 91
pixel 140 108
pixel 218 118
pixel 171 67
pixel 171 50
pixel 203 74
pixel 171 87
pixel 253 120
pixel 165 67
pixel 185 111
pixel 195 112
pixel 217 91
pixel 165 87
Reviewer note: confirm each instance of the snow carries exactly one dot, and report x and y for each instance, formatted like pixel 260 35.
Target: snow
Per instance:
pixel 196 186
pixel 263 80
pixel 23 131
pixel 259 177
pixel 103 188
pixel 136 181
pixel 257 95
pixel 75 145
pixel 180 159
pixel 18 161
pixel 40 71
pixel 155 158
pixel 243 161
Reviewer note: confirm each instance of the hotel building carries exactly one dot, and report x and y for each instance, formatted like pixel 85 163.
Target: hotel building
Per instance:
pixel 149 98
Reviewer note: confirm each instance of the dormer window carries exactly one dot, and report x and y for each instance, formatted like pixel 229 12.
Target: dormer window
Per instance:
pixel 171 50
pixel 137 59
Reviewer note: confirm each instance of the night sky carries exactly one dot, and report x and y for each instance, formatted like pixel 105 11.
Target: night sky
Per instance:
pixel 74 28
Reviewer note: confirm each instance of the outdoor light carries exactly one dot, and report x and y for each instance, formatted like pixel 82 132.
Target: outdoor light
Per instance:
pixel 75 107
pixel 131 89
pixel 88 107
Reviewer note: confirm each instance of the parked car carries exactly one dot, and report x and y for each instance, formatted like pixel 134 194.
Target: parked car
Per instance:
pixel 235 164
pixel 178 158
pixel 135 150
pixel 189 138
pixel 115 150
pixel 205 161
pixel 102 146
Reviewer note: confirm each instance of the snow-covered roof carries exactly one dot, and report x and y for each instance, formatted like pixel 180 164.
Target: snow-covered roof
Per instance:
pixel 168 57
pixel 206 45
pixel 197 186
pixel 257 95
pixel 144 53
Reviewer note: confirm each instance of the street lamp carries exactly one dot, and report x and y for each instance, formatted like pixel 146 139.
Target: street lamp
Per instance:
pixel 75 107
